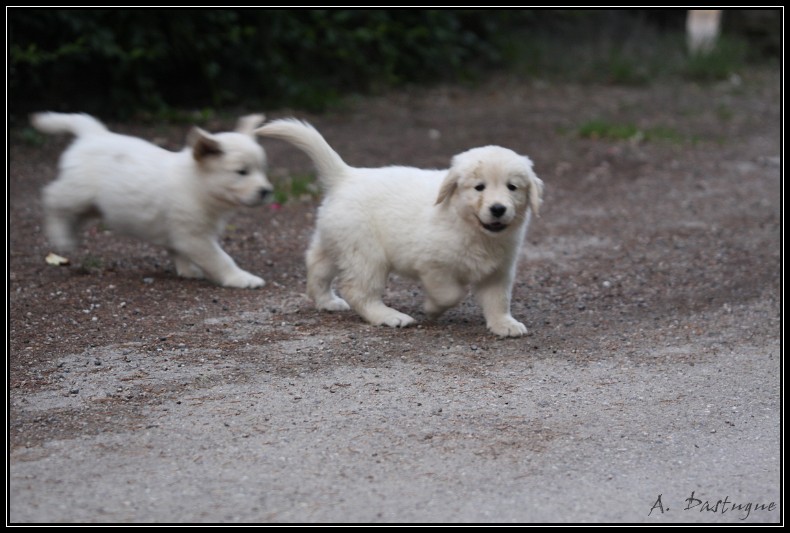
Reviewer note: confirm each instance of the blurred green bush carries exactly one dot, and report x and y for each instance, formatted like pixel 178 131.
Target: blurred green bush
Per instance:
pixel 123 62
pixel 118 61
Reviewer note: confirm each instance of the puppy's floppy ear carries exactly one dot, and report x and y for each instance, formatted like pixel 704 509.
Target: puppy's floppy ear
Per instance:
pixel 459 166
pixel 203 144
pixel 449 185
pixel 248 123
pixel 535 188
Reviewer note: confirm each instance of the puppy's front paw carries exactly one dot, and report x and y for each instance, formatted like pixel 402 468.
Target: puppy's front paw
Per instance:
pixel 396 320
pixel 335 304
pixel 507 327
pixel 243 280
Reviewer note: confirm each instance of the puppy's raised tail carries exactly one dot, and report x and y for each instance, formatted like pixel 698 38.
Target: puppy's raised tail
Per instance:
pixel 331 168
pixel 76 123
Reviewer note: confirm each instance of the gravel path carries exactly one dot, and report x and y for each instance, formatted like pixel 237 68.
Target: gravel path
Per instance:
pixel 647 390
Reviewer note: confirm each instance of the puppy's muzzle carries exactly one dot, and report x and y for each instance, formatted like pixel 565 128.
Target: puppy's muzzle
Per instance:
pixel 263 193
pixel 497 211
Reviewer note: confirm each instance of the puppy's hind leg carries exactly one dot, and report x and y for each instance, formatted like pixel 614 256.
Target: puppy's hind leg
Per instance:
pixel 185 267
pixel 64 215
pixel 321 270
pixel 363 288
pixel 442 294
pixel 61 228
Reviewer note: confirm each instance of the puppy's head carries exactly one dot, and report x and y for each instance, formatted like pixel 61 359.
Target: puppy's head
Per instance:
pixel 492 188
pixel 232 165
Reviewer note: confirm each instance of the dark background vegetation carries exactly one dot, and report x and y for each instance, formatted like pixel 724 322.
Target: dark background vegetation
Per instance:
pixel 130 63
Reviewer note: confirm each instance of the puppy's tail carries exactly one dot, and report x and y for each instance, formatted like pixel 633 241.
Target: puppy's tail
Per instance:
pixel 76 123
pixel 331 168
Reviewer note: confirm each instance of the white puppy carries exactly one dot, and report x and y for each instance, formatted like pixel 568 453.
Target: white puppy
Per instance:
pixel 173 199
pixel 447 228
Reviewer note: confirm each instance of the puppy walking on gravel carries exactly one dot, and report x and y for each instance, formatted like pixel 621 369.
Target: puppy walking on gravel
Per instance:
pixel 447 228
pixel 177 200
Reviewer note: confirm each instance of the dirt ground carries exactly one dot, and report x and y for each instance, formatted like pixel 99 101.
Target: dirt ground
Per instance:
pixel 647 389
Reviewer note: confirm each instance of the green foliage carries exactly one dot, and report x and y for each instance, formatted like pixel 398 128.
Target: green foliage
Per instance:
pixel 605 130
pixel 123 62
pixel 91 263
pixel 29 135
pixel 602 129
pixel 597 47
pixel 724 112
pixel 295 188
pixel 724 60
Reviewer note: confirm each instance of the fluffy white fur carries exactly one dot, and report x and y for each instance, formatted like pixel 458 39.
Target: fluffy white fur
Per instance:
pixel 173 199
pixel 447 228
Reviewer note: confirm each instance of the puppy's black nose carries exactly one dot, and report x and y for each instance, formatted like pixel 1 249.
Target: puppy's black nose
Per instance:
pixel 497 210
pixel 264 193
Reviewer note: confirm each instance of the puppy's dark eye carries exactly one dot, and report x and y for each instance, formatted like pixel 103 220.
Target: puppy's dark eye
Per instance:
pixel 242 172
pixel 511 187
pixel 480 187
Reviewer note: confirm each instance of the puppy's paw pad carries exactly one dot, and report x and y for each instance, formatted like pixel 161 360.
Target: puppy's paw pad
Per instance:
pixel 244 280
pixel 397 320
pixel 509 327
pixel 336 304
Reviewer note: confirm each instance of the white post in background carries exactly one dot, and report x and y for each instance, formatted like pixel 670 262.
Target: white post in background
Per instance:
pixel 702 29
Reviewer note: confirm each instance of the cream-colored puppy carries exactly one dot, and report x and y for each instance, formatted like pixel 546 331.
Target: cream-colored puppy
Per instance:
pixel 447 228
pixel 177 200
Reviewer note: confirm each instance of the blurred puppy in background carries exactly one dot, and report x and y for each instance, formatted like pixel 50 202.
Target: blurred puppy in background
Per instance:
pixel 177 200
